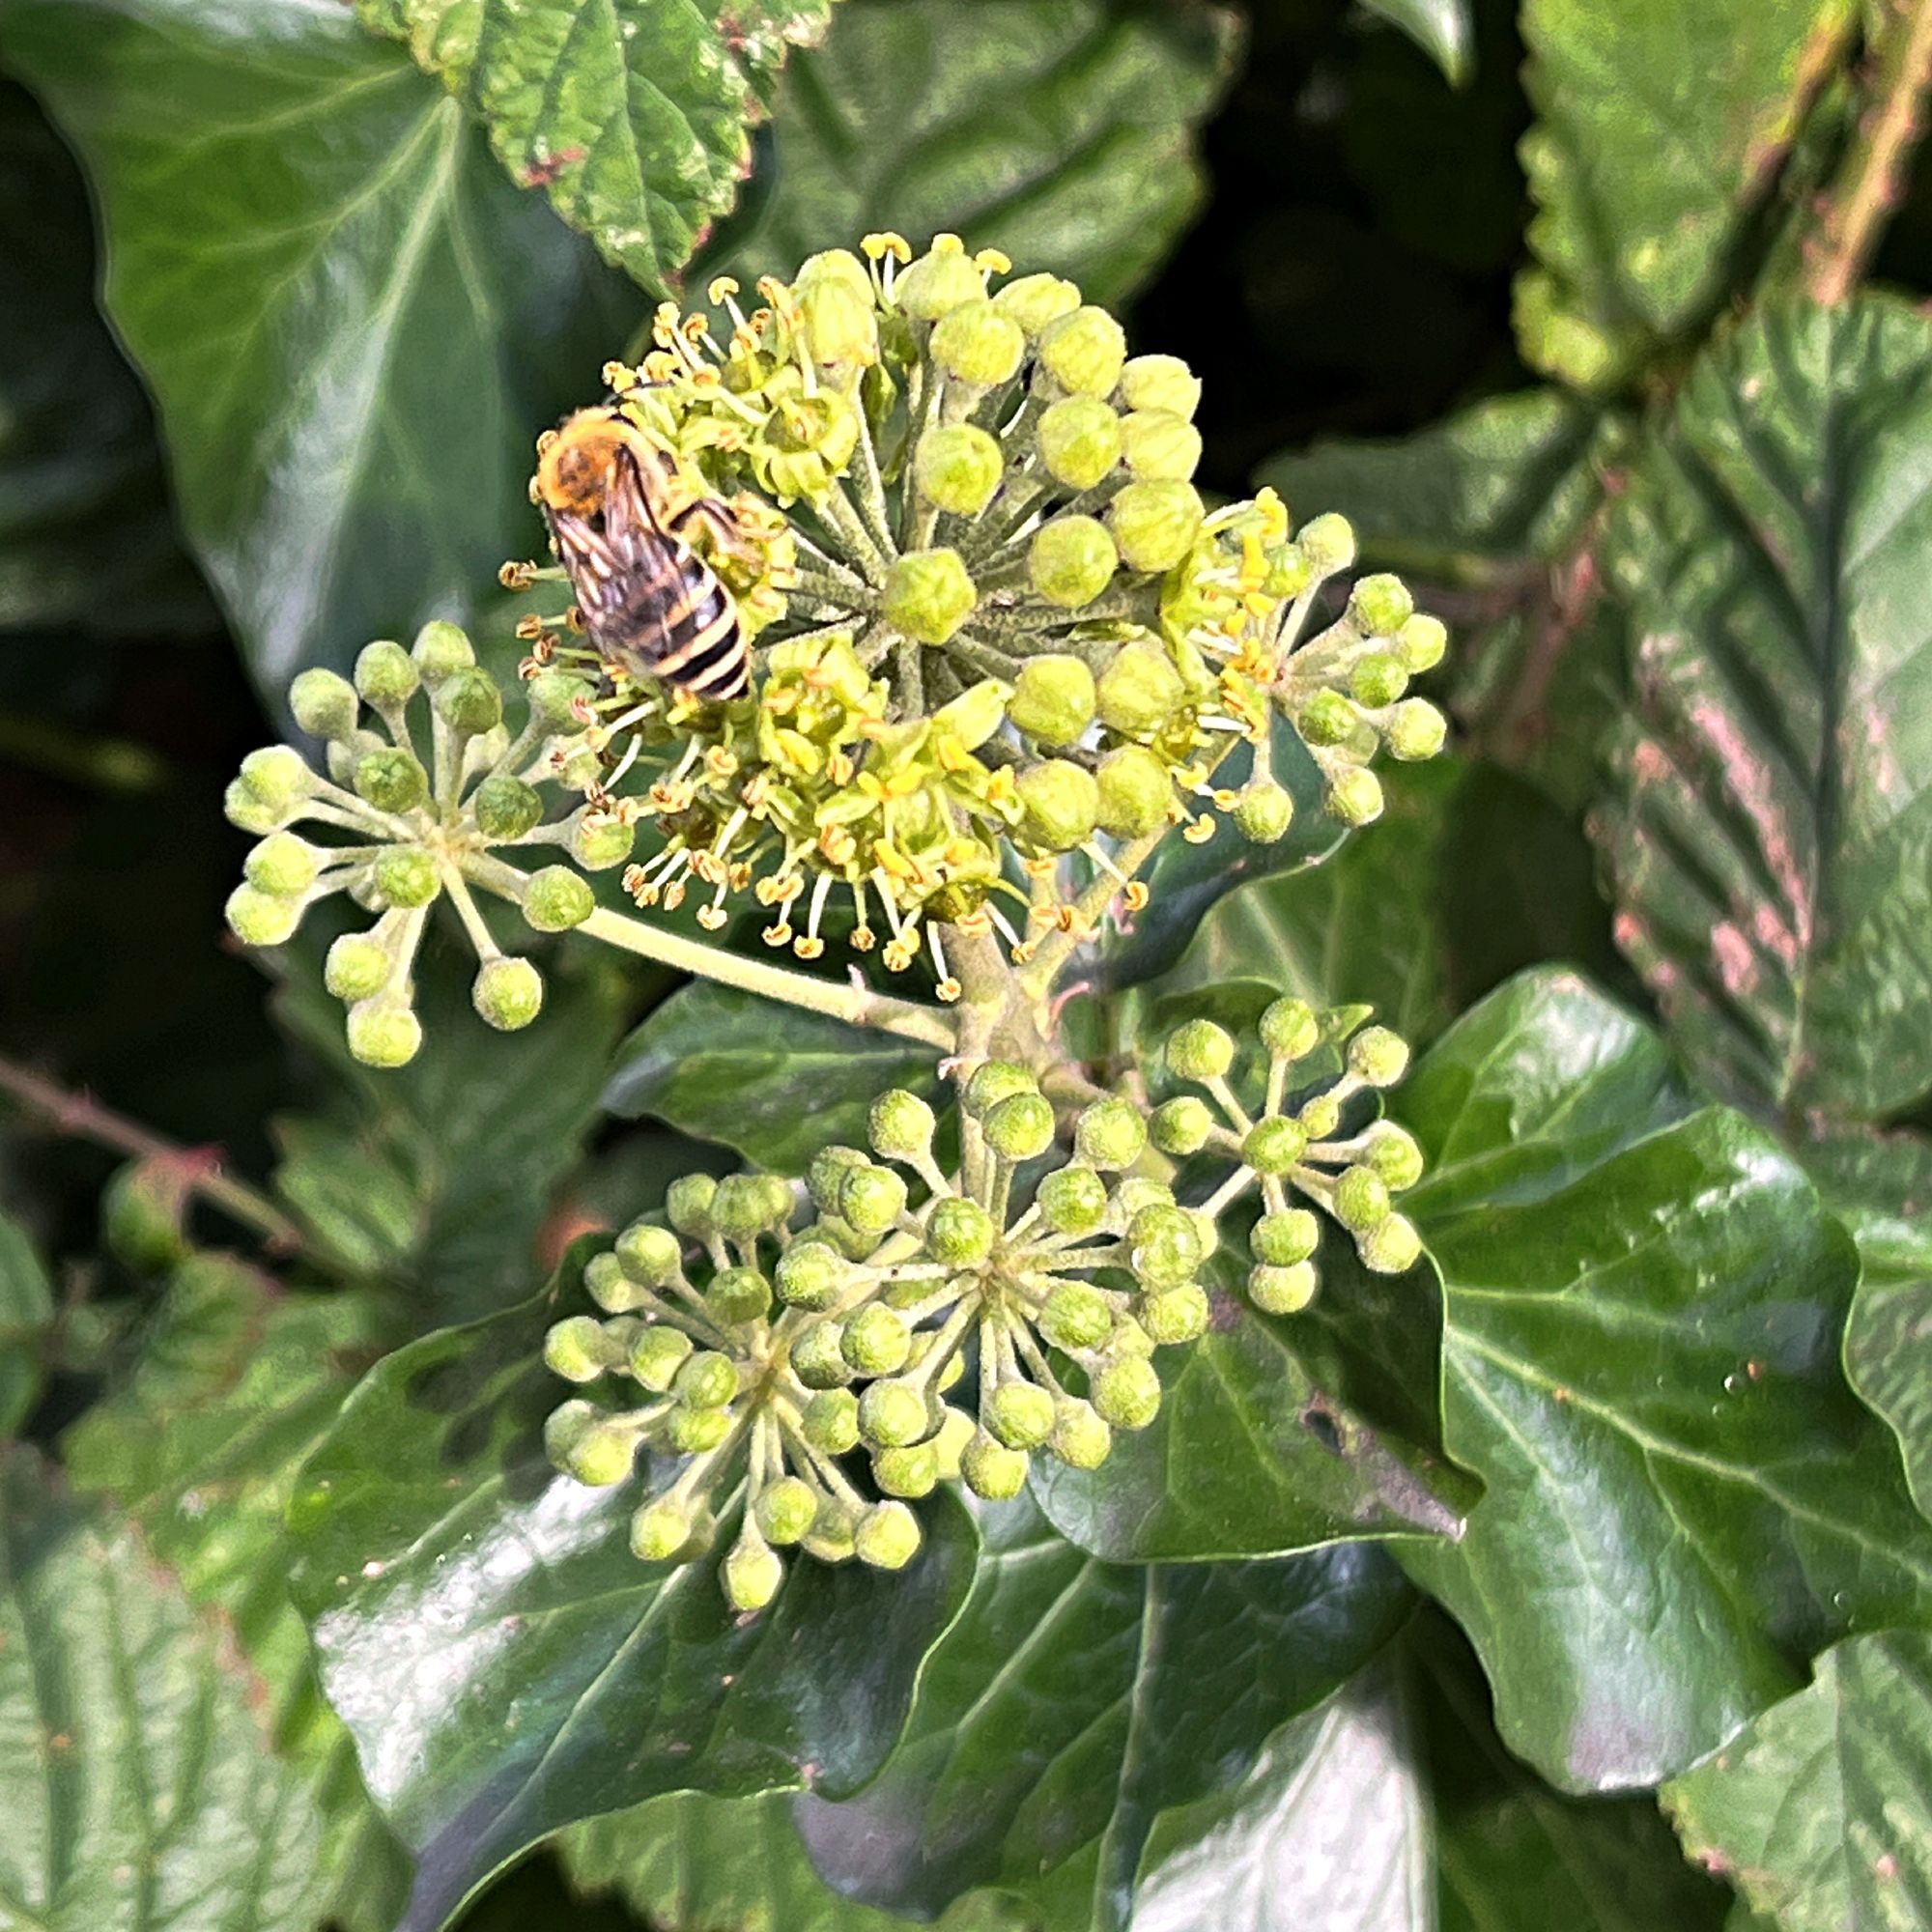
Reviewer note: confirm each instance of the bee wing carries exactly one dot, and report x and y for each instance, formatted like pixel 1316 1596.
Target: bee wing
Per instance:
pixel 609 558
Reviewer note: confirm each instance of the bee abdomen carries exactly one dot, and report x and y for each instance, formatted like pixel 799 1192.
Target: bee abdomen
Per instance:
pixel 683 627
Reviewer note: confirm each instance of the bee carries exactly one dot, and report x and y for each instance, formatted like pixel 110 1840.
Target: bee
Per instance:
pixel 623 512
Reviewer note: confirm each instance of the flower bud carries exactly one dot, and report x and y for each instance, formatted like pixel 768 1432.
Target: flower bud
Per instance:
pixel 1289 1030
pixel 872 1199
pixel 1282 1290
pixel 282 865
pixel 841 328
pixel 1084 352
pixel 992 1471
pixel 505 809
pixel 1160 382
pixel 1020 1128
pixel 736 1295
pixel 1361 1198
pixel 660 1530
pixel 657 1354
pixel 752 1572
pixel 275 777
pixel 1110 1134
pixel 738 1208
pixel 323 702
pixel 246 813
pixel 876 1341
pixel 886 1536
pixel 1328 543
pixel 1079 441
pixel 1378 679
pixel 959 1233
pixel 1421 642
pixel 1273 1146
pixel 1200 1050
pixel 261 919
pixel 144 1214
pixel 690 1432
pixel 1127 1392
pixel 1035 301
pixel 1377 1056
pixel 810 1275
pixel 357 968
pixel 1328 718
pixel 1072 561
pixel 825 1175
pixel 708 1380
pixel 818 1358
pixel 1280 1241
pixel 468 701
pixel 609 1287
pixel 688 1203
pixel 1180 1128
pixel 1020 1415
pixel 1263 811
pixel 1159 444
pixel 955 1429
pixel 1072 1201
pixel 993 1082
pixel 958 469
pixel 1177 1315
pixel 1136 792
pixel 1320 1116
pixel 555 695
pixel 1079 1438
pixel 1131 1339
pixel 648 1255
pixel 1131 1193
pixel 1393 1153
pixel 439 650
pixel 391 779
pixel 831 1538
pixel 928 595
pixel 1053 699
pixel 1139 691
pixel 1380 605
pixel 899 1125
pixel 508 994
pixel 910 1471
pixel 892 1413
pixel 1075 1317
pixel 601 1454
pixel 556 899
pixel 977 344
pixel 1156 522
pixel 1355 797
pixel 406 876
pixel 831 1421
pixel 1060 802
pixel 385 674
pixel 598 842
pixel 1164 1248
pixel 944 278
pixel 577 1348
pixel 1416 731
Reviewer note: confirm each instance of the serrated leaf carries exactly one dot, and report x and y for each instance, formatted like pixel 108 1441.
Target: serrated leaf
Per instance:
pixel 27 1312
pixel 1060 131
pixel 352 322
pixel 1642 1352
pixel 1076 1707
pixel 140 1793
pixel 1659 130
pixel 776 1083
pixel 632 114
pixel 1770 833
pixel 507 1666
pixel 1821 1812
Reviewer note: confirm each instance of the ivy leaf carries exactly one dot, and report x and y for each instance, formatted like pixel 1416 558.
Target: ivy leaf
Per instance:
pixel 140 1791
pixel 26 1312
pixel 632 116
pixel 1440 28
pixel 1660 129
pixel 507 1666
pixel 1060 131
pixel 774 1082
pixel 1075 1706
pixel 352 322
pixel 1641 1352
pixel 1771 830
pixel 1821 1812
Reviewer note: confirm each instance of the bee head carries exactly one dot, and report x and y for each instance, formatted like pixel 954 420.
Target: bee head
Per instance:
pixel 574 461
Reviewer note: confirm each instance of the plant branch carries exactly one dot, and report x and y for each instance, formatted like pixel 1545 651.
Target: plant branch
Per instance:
pixel 1868 185
pixel 81 1116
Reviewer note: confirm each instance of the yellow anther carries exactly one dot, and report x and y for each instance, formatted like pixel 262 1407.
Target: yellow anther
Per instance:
pixel 721 288
pixel 993 261
pixel 877 246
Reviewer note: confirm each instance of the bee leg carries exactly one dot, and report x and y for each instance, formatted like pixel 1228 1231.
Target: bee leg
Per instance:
pixel 726 532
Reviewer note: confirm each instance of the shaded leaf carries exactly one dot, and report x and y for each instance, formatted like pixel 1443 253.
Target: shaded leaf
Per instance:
pixel 352 322
pixel 26 1312
pixel 140 1792
pixel 1440 28
pixel 1641 1352
pixel 507 1666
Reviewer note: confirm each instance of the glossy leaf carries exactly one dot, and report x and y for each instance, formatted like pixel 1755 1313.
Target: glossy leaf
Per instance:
pixel 26 1311
pixel 1821 1812
pixel 1060 131
pixel 139 1791
pixel 352 322
pixel 632 116
pixel 1771 830
pixel 776 1083
pixel 1440 28
pixel 1076 1706
pixel 1642 1351
pixel 1658 129
pixel 507 1666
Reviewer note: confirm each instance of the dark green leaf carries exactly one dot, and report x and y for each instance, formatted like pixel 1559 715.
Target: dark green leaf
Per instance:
pixel 1772 837
pixel 1658 129
pixel 633 115
pixel 1440 28
pixel 507 1666
pixel 1642 1361
pixel 139 1792
pixel 1075 1705
pixel 1060 131
pixel 1821 1813
pixel 26 1311
pixel 352 322
pixel 776 1083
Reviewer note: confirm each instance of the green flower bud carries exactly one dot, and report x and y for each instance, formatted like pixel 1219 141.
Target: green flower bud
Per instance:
pixel 810 1275
pixel 1355 797
pixel 958 469
pixel 872 1199
pixel 598 842
pixel 831 1537
pixel 1035 301
pixel 892 1413
pixel 508 994
pixel 556 899
pixel 993 1082
pixel 1164 1248
pixel 323 702
pixel 1280 1241
pixel 840 327
pixel 609 1286
pixel 1079 441
pixel 143 1214
pixel 1377 1056
pixel 1139 691
pixel 752 1572
pixel 1320 1116
pixel 1206 1230
pixel 1131 1193
pixel 555 696
pixel 468 701
pixel 910 1471
pixel 940 280
pixel 391 779
pixel 565 1423
pixel 406 876
pixel 1156 522
pixel 1289 1030
pixel 385 674
pixel 1263 811
pixel 928 595
pixel 831 1421
pixel 1079 1438
pixel 1200 1050
pixel 1273 1146
pixel 736 1295
pixel 357 968
pixel 1072 1201
pixel 1060 802
pixel 577 1348
pixel 246 813
pixel 1393 1153
pixel 1160 382
pixel 690 1432
pixel 899 1125
pixel 1020 1128
pixel 442 649
pixel 659 1532
pixel 818 1357
pixel 1416 731
pixel 949 1442
pixel 1177 1315
pixel 1421 642
pixel 505 809
pixel 738 1208
pixel 1072 561
pixel 1380 605
pixel 688 1204
pixel 1136 792
pixel 1020 1415
pixel 1159 444
pixel 876 1341
pixel 886 1536
pixel 708 1380
pixel 1378 679
pixel 275 777
pixel 601 1455
pixel 282 865
pixel 1361 1198
pixel 991 1470
pixel 1110 1134
pixel 1131 1339
pixel 261 919
pixel 1282 1290
pixel 1075 1317
pixel 1053 699
pixel 825 1175
pixel 1180 1128
pixel 959 1233
pixel 648 1255
pixel 1127 1392
pixel 1328 543
pixel 979 345
pixel 657 1353
pixel 1328 718
pixel 1084 352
